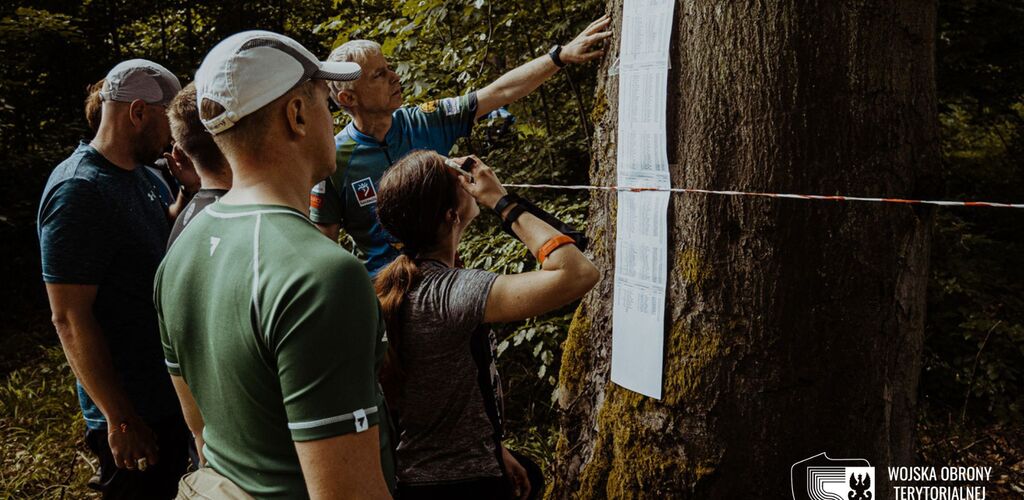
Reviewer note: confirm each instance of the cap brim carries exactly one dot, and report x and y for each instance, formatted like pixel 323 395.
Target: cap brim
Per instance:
pixel 338 71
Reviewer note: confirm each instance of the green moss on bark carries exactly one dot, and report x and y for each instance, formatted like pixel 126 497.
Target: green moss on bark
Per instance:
pixel 575 358
pixel 600 106
pixel 631 458
pixel 691 268
pixel 687 356
pixel 631 455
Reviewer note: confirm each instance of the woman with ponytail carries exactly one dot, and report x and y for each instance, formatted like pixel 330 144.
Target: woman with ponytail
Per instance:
pixel 440 374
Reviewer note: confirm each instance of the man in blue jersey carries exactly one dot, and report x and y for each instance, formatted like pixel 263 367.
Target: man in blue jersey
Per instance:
pixel 382 131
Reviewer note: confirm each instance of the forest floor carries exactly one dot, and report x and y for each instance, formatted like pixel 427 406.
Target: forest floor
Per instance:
pixel 44 455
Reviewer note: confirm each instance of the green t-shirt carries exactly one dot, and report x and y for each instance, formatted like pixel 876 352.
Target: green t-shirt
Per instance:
pixel 278 333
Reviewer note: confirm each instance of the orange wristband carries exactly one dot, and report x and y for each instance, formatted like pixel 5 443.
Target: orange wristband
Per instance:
pixel 552 245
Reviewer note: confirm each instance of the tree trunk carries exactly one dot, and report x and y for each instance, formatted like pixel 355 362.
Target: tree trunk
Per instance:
pixel 792 327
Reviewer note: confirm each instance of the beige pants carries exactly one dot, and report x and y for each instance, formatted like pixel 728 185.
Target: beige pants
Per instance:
pixel 206 483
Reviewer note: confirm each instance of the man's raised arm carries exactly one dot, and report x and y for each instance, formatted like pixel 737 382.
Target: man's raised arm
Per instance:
pixel 519 82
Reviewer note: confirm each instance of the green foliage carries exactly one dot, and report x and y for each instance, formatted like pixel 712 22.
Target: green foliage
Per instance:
pixel 33 126
pixel 974 350
pixel 40 422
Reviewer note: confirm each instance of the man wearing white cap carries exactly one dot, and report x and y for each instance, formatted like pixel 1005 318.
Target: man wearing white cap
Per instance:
pixel 272 333
pixel 102 231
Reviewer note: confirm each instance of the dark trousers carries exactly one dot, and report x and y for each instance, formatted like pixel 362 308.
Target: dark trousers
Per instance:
pixel 496 488
pixel 159 481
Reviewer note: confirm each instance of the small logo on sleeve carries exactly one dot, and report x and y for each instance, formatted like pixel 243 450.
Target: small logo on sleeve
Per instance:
pixel 359 417
pixel 451 106
pixel 428 107
pixel 366 194
pixel 316 197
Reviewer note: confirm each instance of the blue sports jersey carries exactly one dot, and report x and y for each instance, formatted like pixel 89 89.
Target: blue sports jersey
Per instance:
pixel 349 197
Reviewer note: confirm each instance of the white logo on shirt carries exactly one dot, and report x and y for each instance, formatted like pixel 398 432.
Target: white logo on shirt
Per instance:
pixel 365 192
pixel 214 241
pixel 451 106
pixel 360 420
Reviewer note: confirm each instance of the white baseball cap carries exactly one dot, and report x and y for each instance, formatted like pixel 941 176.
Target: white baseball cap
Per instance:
pixel 140 79
pixel 251 69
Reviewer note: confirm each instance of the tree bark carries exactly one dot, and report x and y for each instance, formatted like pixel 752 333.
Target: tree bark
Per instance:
pixel 792 327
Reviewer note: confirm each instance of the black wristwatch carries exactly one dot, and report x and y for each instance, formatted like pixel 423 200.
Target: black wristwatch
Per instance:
pixel 554 53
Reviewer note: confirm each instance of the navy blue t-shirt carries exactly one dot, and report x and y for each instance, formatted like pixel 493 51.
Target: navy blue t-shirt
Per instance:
pixel 102 225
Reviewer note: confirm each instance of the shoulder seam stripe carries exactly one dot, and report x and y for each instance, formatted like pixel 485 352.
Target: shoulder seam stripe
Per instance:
pixel 329 420
pixel 255 297
pixel 221 215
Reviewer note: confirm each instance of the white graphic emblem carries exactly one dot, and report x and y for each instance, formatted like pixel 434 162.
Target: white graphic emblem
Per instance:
pixel 823 478
pixel 360 420
pixel 366 194
pixel 451 106
pixel 214 241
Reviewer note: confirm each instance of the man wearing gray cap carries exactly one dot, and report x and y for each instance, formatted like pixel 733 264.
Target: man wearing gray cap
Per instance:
pixel 272 333
pixel 102 234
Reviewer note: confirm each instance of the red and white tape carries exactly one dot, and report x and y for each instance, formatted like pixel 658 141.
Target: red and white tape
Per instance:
pixel 902 201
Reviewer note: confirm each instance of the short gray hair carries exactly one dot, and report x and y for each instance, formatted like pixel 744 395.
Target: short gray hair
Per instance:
pixel 357 51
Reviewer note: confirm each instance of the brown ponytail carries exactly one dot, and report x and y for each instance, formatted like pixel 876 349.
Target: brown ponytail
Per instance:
pixel 94 105
pixel 392 284
pixel 414 197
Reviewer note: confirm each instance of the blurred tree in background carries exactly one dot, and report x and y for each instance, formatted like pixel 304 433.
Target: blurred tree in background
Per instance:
pixel 52 49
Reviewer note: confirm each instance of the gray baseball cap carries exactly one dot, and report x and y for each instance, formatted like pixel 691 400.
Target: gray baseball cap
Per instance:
pixel 140 79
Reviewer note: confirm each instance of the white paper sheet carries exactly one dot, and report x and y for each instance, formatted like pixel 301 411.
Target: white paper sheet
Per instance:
pixel 641 244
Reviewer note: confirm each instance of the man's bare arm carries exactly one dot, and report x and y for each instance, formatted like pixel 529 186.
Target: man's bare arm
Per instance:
pixel 519 82
pixel 193 418
pixel 346 466
pixel 89 356
pixel 331 231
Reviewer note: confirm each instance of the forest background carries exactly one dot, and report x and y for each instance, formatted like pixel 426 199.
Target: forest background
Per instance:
pixel 972 385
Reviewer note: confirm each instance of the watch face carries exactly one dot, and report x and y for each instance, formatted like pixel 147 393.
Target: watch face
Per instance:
pixel 554 53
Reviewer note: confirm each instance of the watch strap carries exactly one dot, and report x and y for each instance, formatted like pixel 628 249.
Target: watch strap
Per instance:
pixel 555 54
